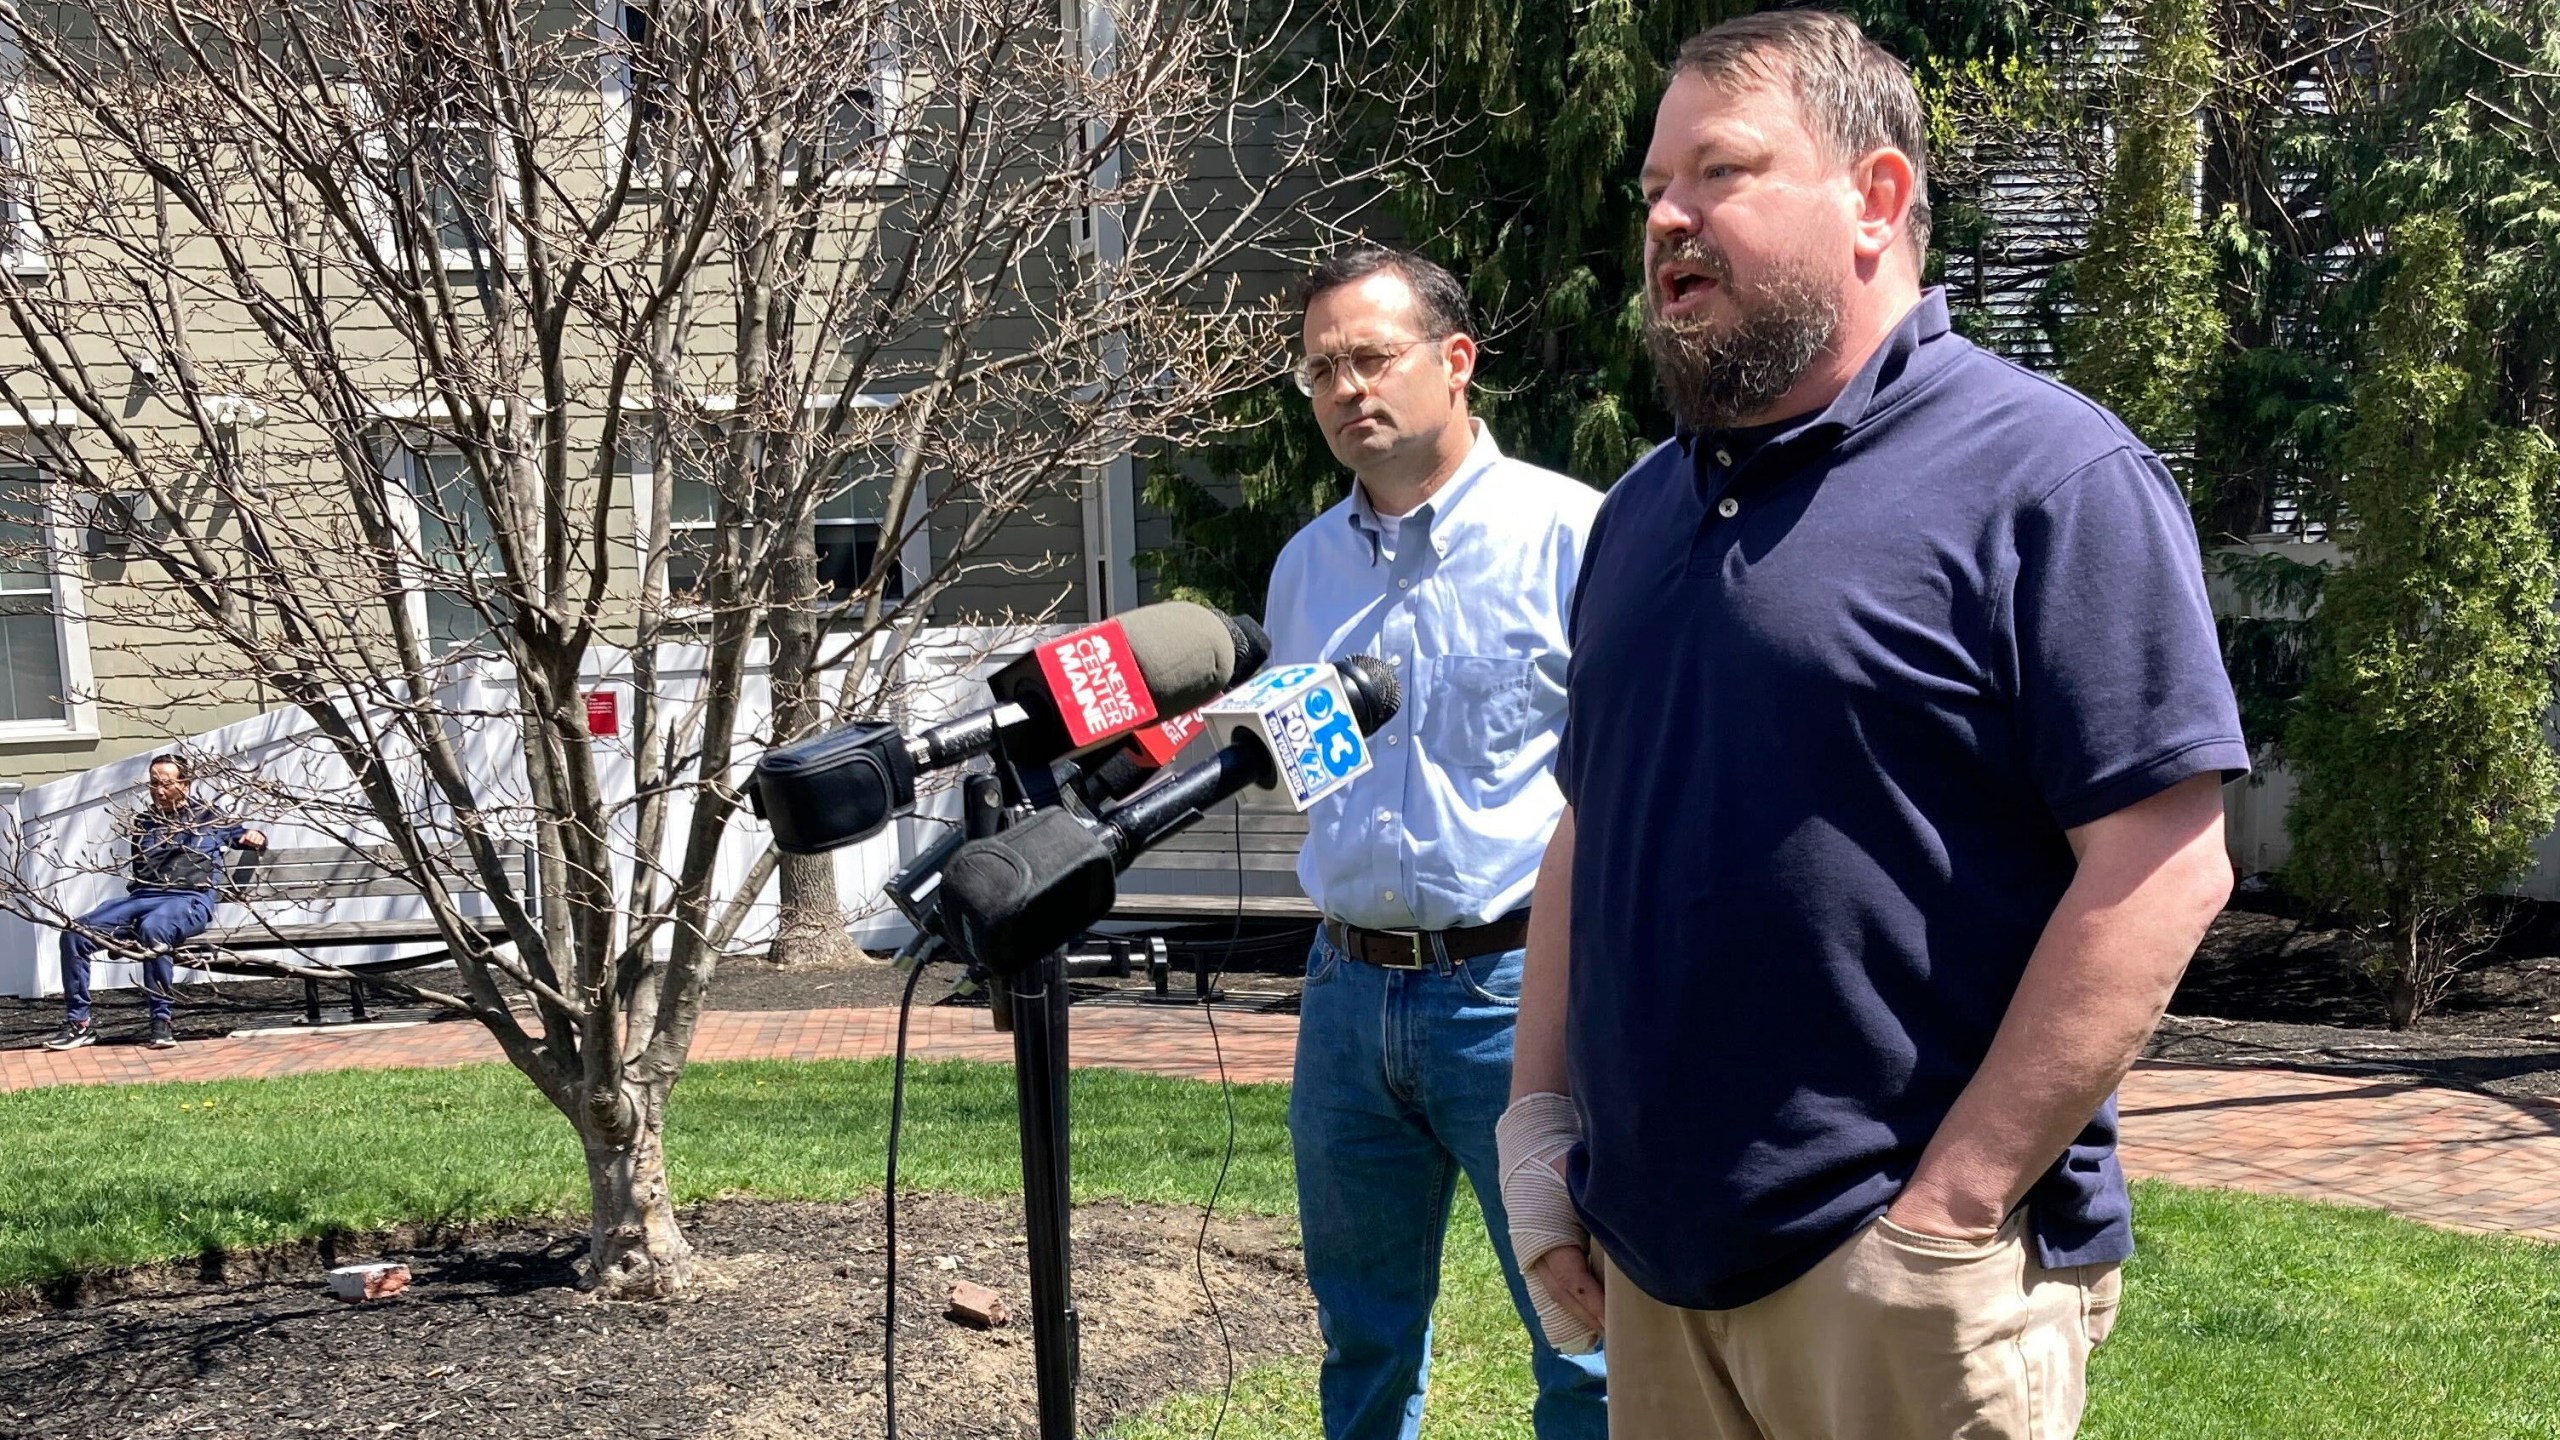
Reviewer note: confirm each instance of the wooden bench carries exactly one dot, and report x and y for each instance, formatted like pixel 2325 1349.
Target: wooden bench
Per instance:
pixel 312 880
pixel 1194 875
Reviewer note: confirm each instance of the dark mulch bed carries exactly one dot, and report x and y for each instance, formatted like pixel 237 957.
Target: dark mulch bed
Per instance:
pixel 206 1011
pixel 2274 986
pixel 781 1337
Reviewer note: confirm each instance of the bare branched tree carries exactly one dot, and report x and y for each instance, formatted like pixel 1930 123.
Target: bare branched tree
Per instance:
pixel 441 357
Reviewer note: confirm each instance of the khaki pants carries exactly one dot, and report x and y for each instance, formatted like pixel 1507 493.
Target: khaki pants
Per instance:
pixel 1894 1336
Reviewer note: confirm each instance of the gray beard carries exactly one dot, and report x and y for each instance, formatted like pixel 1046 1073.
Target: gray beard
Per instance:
pixel 1716 377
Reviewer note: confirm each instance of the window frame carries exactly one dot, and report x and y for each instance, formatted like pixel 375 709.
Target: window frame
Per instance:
pixel 61 530
pixel 616 87
pixel 616 83
pixel 639 467
pixel 505 250
pixel 426 191
pixel 405 451
pixel 23 247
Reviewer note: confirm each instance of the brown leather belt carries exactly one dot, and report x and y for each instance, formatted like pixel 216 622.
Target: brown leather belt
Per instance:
pixel 1415 950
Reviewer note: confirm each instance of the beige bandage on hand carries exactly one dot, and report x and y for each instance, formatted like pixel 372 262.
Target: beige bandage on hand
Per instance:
pixel 1533 1135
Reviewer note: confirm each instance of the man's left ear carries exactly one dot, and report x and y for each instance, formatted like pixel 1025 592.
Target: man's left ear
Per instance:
pixel 1887 184
pixel 1460 352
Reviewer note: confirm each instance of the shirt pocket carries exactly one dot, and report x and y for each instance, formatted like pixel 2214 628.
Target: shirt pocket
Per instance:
pixel 1476 715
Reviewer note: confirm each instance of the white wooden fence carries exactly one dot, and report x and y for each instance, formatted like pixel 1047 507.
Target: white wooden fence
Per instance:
pixel 60 843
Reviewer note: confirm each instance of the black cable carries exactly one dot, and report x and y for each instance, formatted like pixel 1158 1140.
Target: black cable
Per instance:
pixel 889 1195
pixel 1226 1092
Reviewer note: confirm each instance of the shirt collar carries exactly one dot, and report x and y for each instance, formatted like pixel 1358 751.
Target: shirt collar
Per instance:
pixel 1872 388
pixel 1481 457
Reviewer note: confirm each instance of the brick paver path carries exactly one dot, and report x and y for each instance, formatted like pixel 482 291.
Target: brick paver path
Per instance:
pixel 2448 1157
pixel 1170 1041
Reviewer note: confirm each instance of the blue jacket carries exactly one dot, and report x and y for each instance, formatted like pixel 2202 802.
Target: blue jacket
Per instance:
pixel 181 850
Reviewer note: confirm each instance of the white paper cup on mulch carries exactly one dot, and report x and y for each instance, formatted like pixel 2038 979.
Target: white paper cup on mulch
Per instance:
pixel 373 1280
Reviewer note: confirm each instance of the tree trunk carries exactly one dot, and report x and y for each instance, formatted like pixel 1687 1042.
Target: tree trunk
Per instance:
pixel 811 928
pixel 2406 1000
pixel 634 1249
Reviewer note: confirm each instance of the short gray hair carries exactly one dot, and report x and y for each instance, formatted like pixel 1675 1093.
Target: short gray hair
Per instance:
pixel 1855 96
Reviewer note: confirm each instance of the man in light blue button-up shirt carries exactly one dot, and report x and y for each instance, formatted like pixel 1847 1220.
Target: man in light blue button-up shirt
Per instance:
pixel 1455 565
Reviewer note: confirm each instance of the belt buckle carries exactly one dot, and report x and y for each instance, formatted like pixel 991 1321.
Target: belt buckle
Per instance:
pixel 1420 960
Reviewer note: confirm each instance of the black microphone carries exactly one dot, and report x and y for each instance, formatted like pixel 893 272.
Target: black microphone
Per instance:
pixel 1070 694
pixel 1181 661
pixel 1160 812
pixel 1093 780
pixel 1010 898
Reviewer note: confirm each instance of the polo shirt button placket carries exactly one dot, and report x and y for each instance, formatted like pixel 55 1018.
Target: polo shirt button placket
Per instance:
pixel 1728 507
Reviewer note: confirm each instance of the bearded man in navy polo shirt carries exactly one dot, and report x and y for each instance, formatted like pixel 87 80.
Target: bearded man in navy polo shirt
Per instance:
pixel 1894 738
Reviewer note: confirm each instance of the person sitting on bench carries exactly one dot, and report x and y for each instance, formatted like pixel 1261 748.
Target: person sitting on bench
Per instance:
pixel 177 848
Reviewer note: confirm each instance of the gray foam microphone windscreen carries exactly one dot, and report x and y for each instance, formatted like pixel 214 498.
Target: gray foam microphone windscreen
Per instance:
pixel 1186 652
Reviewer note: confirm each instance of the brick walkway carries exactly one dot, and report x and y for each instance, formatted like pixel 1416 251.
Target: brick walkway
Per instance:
pixel 1171 1041
pixel 2448 1157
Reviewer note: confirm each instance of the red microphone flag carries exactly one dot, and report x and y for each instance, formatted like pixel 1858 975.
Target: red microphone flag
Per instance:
pixel 1096 683
pixel 1159 743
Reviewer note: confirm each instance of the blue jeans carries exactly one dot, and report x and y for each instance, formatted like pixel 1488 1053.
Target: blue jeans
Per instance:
pixel 155 920
pixel 1400 1077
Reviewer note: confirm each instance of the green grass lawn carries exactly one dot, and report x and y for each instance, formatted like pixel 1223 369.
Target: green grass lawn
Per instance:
pixel 105 1176
pixel 2245 1316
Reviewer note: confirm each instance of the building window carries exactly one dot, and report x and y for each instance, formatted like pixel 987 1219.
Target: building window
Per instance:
pixel 32 688
pixel 22 246
pixel 635 84
pixel 848 535
pixel 461 582
pixel 846 128
pixel 847 516
pixel 437 182
pixel 455 192
pixel 847 115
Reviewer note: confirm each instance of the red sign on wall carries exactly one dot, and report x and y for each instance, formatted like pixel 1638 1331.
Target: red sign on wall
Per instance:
pixel 604 712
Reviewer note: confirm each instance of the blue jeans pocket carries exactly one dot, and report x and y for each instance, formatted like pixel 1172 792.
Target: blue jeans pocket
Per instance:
pixel 1322 961
pixel 1492 979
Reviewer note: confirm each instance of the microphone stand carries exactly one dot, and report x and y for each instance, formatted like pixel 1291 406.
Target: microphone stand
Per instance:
pixel 1038 1018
